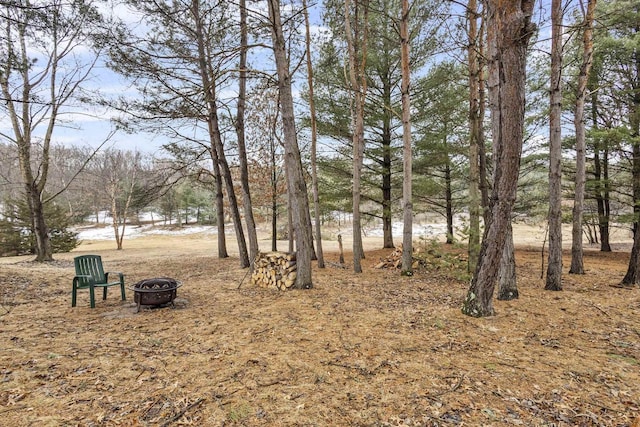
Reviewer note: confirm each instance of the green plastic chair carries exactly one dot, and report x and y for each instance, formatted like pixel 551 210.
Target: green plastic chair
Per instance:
pixel 91 275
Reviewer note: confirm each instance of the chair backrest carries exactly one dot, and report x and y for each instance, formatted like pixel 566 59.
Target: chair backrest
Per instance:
pixel 90 265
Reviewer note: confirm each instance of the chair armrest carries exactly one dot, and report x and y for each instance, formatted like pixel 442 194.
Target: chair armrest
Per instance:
pixel 76 279
pixel 120 276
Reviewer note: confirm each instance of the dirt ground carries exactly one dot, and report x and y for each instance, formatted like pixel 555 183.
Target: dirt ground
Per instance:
pixel 374 349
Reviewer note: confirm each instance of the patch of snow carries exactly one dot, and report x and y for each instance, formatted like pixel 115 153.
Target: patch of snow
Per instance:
pixel 422 230
pixel 95 233
pixel 105 218
pixel 134 231
pixel 208 229
pixel 425 230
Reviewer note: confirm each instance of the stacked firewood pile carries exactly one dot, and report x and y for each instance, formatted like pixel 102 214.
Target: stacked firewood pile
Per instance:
pixel 274 270
pixel 394 260
pixel 424 258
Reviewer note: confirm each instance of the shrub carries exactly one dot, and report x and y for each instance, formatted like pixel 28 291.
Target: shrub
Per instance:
pixel 17 237
pixel 12 240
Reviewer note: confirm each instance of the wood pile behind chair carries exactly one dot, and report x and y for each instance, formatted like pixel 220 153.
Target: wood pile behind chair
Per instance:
pixel 275 270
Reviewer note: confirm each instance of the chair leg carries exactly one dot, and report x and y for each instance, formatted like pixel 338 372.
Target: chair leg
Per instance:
pixel 104 293
pixel 124 298
pixel 73 296
pixel 92 297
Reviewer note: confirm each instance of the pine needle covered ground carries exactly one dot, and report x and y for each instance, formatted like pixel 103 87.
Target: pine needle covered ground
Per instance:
pixel 374 349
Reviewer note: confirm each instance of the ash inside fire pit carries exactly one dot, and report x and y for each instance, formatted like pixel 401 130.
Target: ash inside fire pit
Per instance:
pixel 156 291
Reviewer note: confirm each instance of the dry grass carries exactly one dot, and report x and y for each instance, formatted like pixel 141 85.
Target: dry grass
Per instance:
pixel 370 349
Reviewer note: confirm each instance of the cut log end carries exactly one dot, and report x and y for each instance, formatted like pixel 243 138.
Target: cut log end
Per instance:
pixel 275 270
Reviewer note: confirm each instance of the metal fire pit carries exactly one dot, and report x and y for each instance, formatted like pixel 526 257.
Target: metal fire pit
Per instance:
pixel 156 292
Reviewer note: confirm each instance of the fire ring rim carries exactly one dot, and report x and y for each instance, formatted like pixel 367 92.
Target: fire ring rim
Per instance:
pixel 145 290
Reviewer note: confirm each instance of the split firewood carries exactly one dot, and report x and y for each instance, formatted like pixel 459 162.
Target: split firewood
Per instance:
pixel 394 260
pixel 421 258
pixel 276 270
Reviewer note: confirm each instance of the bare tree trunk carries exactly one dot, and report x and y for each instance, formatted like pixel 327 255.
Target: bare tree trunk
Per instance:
pixel 228 180
pixel 314 142
pixel 240 132
pixel 387 202
pixel 449 200
pixel 120 220
pixel 120 173
pixel 509 29
pixel 577 263
pixel 274 185
pixel 290 229
pixel 482 152
pixel 387 214
pixel 222 239
pixel 274 216
pixel 507 281
pixel 295 176
pixel 209 88
pixel 387 138
pixel 605 245
pixel 601 175
pixel 407 198
pixel 632 277
pixel 113 194
pixel 357 47
pixel 36 208
pixel 602 200
pixel 554 268
pixel 44 251
pixel 475 124
pixel 32 96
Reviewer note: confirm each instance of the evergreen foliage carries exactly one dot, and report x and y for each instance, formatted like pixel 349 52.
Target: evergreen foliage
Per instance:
pixel 17 236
